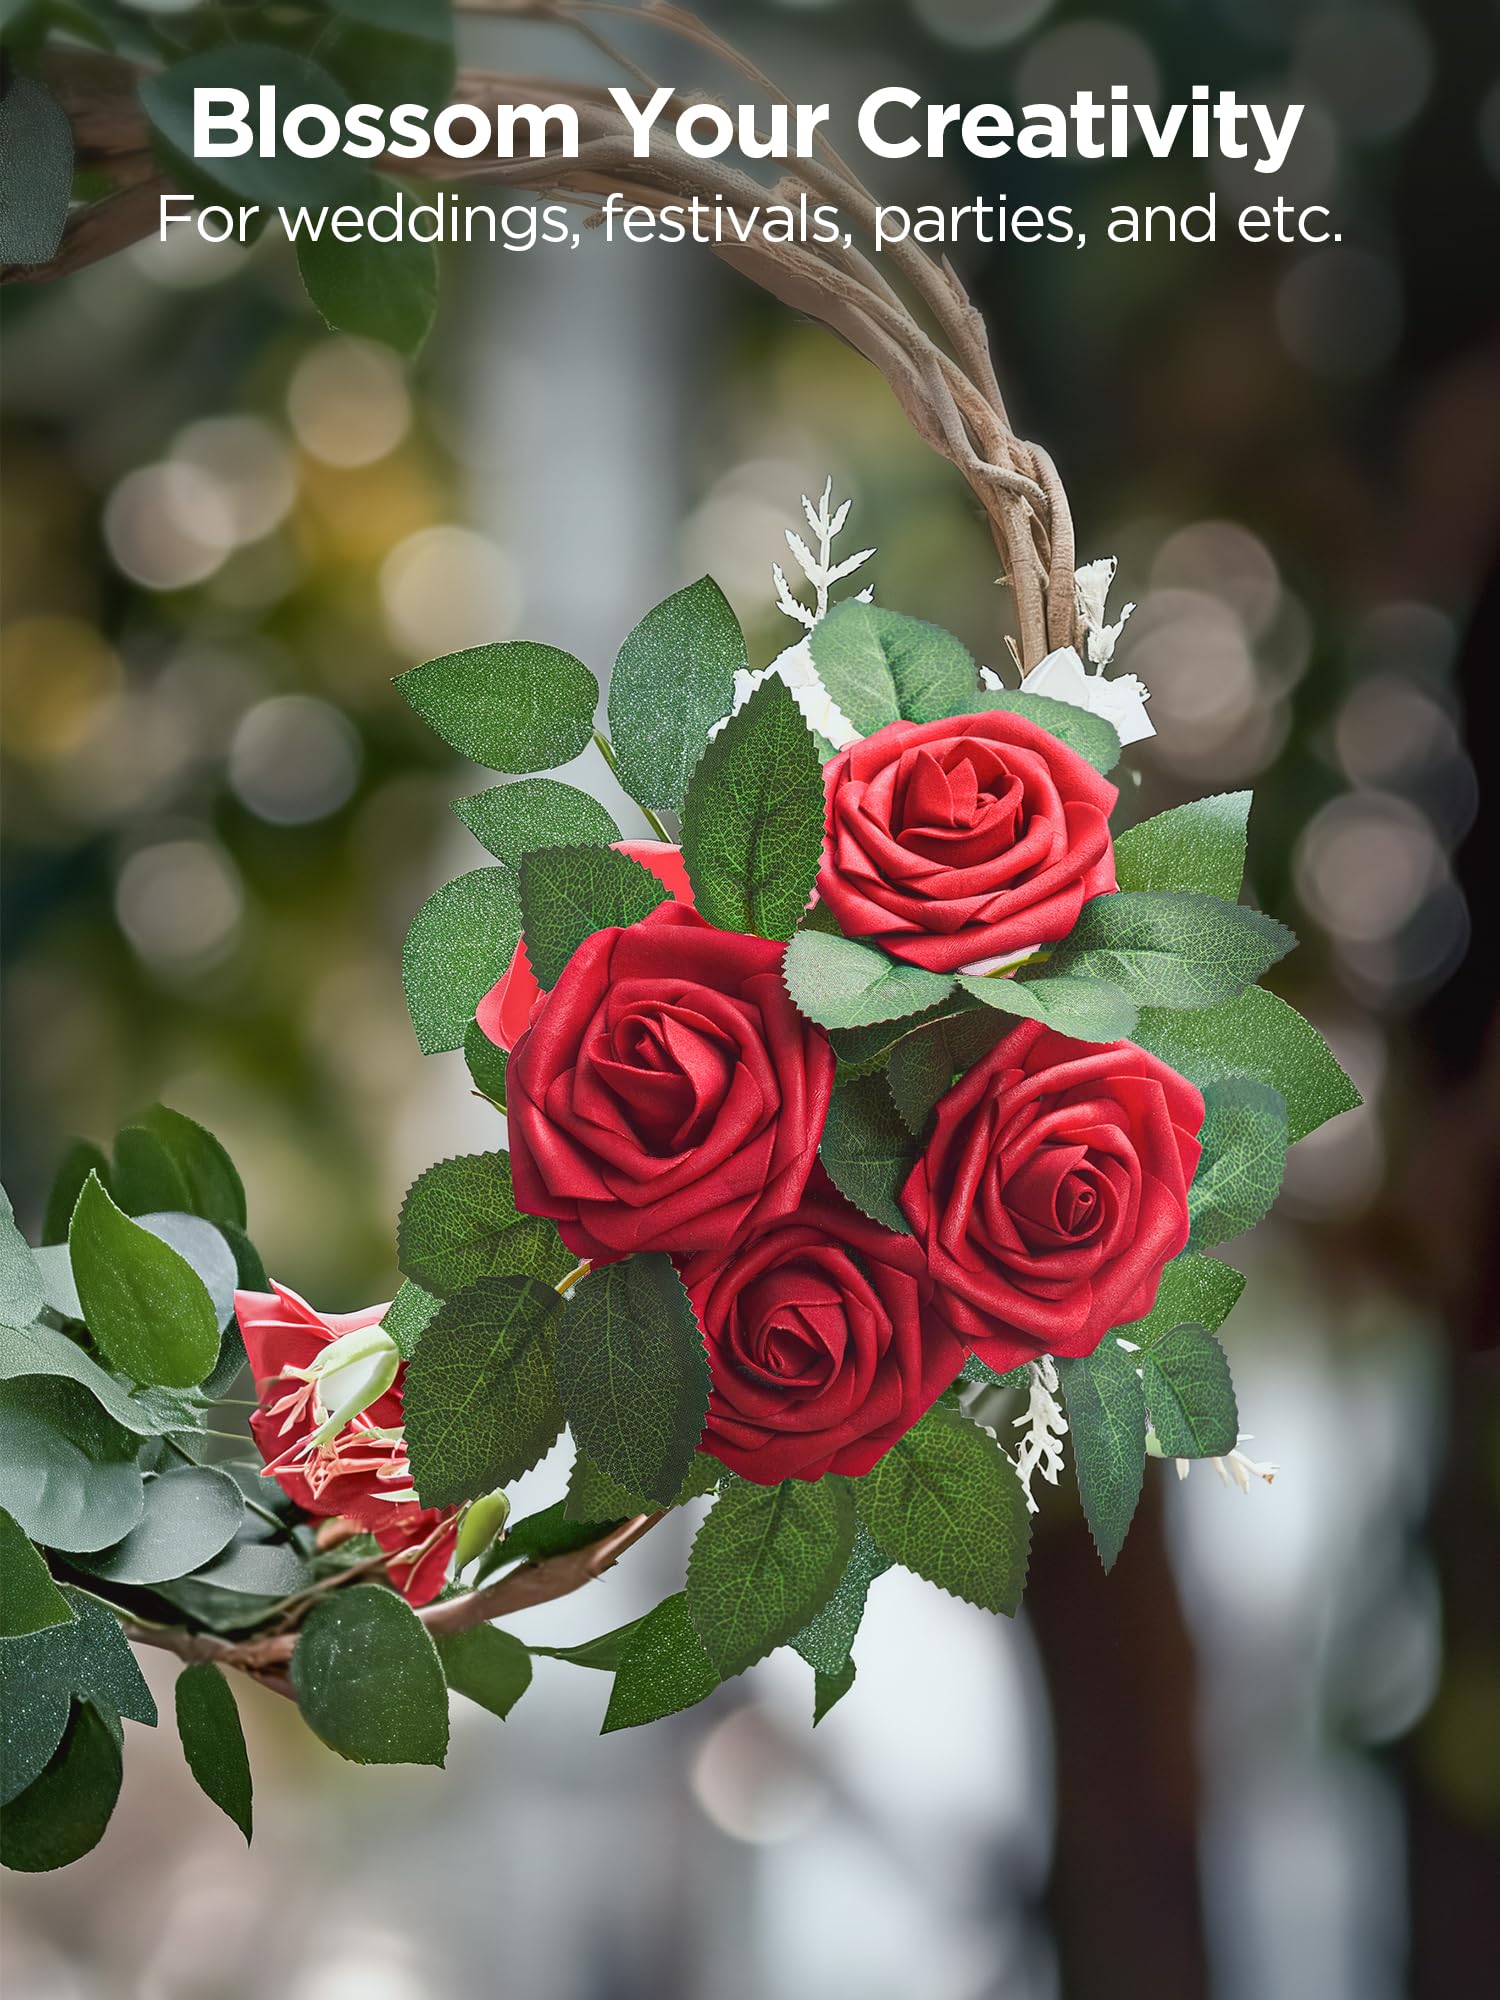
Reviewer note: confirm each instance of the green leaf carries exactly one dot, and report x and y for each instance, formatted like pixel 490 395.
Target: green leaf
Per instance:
pixel 143 1177
pixel 663 1669
pixel 459 943
pixel 842 984
pixel 514 708
pixel 601 1655
pixel 205 1249
pixel 62 1814
pixel 829 1690
pixel 515 819
pixel 548 1532
pixel 453 1219
pixel 1257 1035
pixel 208 1724
pixel 1094 739
pixel 211 1185
pixel 752 825
pixel 36 172
pixel 673 680
pixel 826 1641
pixel 22 1295
pixel 1168 950
pixel 923 1065
pixel 369 1681
pixel 283 176
pixel 1193 1288
pixel 29 1600
pixel 633 1376
pixel 1244 1144
pixel 486 1064
pixel 191 1514
pixel 146 1307
pixel 880 667
pixel 41 1673
pixel 489 1666
pixel 480 1399
pixel 43 1350
pixel 1197 846
pixel 1087 1008
pixel 81 1159
pixel 945 1502
pixel 33 1716
pixel 868 1149
pixel 765 1561
pixel 568 893
pixel 410 1314
pixel 381 291
pixel 67 1471
pixel 532 1248
pixel 1107 1423
pixel 857 1048
pixel 1190 1396
pixel 251 1569
pixel 593 1498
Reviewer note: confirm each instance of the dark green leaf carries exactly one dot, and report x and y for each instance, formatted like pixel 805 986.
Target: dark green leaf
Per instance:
pixel 486 1064
pixel 1257 1035
pixel 1198 846
pixel 143 1177
pixel 191 1514
pixel 1094 739
pixel 602 1654
pixel 663 1669
pixel 923 1065
pixel 868 1150
pixel 381 291
pixel 842 984
pixel 43 1350
pixel 251 1569
pixel 512 820
pixel 946 1503
pixel 633 1376
pixel 423 20
pixel 1244 1155
pixel 36 172
pixel 568 893
pixel 453 1221
pixel 67 1471
pixel 858 1047
pixel 369 1681
pixel 208 1723
pixel 1087 1008
pixel 752 825
pixel 410 1314
pixel 829 1690
pixel 673 680
pixel 62 1814
pixel 283 176
pixel 1190 1395
pixel 146 1307
pixel 212 1185
pixel 33 1716
pixel 514 708
pixel 459 943
pixel 82 1158
pixel 1168 950
pixel 879 666
pixel 1193 1288
pixel 29 1600
pixel 480 1398
pixel 89 1658
pixel 765 1561
pixel 489 1666
pixel 548 1533
pixel 593 1498
pixel 1107 1424
pixel 532 1248
pixel 205 1249
pixel 22 1294
pixel 827 1641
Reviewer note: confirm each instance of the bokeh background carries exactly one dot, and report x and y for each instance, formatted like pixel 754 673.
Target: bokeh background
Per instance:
pixel 1262 1760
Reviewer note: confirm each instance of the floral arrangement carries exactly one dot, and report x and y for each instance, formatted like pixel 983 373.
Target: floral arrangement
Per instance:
pixel 869 1131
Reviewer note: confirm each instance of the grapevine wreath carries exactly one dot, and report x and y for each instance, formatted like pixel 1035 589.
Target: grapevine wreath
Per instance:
pixel 869 1132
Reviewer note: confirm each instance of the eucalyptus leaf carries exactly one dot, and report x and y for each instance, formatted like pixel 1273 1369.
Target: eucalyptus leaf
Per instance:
pixel 29 1600
pixel 36 172
pixel 386 291
pixel 369 1681
pixel 22 1294
pixel 673 680
pixel 459 943
pixel 191 1514
pixel 213 1741
pixel 515 708
pixel 63 1813
pixel 67 1471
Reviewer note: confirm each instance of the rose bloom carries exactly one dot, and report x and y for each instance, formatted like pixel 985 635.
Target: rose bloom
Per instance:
pixel 822 1347
pixel 361 1475
pixel 504 1014
pixel 668 1095
pixel 1052 1192
pixel 953 844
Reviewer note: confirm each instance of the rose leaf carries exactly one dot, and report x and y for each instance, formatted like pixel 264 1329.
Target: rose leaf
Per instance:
pixel 1172 950
pixel 1244 1140
pixel 568 893
pixel 459 943
pixel 880 667
pixel 1258 1035
pixel 1197 846
pixel 827 1640
pixel 840 983
pixel 663 1668
pixel 868 1149
pixel 513 708
pixel 673 680
pixel 765 1561
pixel 1190 1395
pixel 1107 1422
pixel 1193 1288
pixel 512 820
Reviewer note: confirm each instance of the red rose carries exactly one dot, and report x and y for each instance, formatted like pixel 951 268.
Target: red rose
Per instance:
pixel 821 1343
pixel 953 843
pixel 504 1014
pixel 668 1095
pixel 1052 1192
pixel 360 1474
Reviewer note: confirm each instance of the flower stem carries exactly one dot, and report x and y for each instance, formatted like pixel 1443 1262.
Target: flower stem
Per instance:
pixel 607 752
